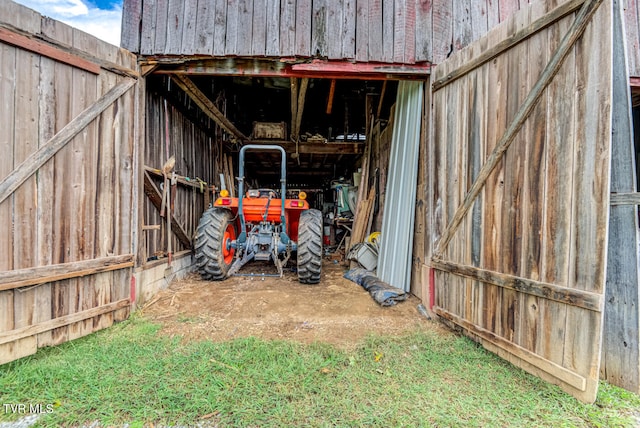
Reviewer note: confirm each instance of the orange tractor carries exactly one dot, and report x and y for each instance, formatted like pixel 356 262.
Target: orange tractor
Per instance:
pixel 262 225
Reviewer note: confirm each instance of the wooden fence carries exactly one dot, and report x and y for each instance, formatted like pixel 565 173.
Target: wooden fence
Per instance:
pixel 67 138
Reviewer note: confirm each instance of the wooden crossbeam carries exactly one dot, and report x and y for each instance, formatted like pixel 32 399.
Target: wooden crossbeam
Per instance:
pixel 35 161
pixel 43 274
pixel 207 106
pixel 317 148
pixel 568 296
pixel 575 32
pixel 151 190
pixel 625 198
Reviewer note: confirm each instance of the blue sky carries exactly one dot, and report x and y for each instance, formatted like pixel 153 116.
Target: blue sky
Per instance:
pixel 98 17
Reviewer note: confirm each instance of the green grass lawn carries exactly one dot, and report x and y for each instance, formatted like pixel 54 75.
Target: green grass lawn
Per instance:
pixel 131 374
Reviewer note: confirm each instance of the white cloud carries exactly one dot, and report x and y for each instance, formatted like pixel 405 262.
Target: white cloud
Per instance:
pixel 102 23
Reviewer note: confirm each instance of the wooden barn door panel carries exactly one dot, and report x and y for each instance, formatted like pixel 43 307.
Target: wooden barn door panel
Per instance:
pixel 521 151
pixel 66 182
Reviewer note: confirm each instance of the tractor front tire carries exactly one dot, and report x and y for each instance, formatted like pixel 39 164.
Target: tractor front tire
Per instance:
pixel 213 253
pixel 310 247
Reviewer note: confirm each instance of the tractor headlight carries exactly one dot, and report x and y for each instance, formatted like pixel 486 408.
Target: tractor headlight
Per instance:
pixel 224 193
pixel 302 195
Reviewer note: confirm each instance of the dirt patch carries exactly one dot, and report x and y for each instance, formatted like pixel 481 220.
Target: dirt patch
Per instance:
pixel 336 311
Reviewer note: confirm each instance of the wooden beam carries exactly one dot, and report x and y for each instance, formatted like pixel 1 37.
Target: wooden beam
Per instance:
pixel 294 101
pixel 43 274
pixel 155 196
pixel 557 293
pixel 208 107
pixel 524 354
pixel 506 44
pixel 302 95
pixel 30 165
pixel 317 148
pixel 47 50
pixel 575 32
pixel 332 92
pixel 625 198
pixel 381 101
pixel 279 68
pixel 20 333
pixel 53 49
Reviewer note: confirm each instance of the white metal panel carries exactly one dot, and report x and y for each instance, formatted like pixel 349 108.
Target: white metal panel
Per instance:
pixel 394 265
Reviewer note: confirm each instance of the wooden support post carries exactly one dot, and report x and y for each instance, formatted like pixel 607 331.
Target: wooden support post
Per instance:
pixel 302 93
pixel 332 92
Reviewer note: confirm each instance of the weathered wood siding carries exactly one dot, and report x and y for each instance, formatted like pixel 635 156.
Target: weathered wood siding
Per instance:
pixel 65 220
pixel 198 157
pixel 524 271
pixel 390 31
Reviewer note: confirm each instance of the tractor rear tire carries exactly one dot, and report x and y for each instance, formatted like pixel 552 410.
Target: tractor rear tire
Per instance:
pixel 213 255
pixel 310 247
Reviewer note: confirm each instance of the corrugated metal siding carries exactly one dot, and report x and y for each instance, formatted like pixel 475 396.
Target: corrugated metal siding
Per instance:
pixel 399 207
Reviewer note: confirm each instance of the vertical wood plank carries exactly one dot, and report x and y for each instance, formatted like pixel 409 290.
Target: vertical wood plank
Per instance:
pixel 175 26
pixel 233 21
pixel 63 78
pixel 259 33
pixel 362 30
pixel 288 27
pixel 148 29
pixel 590 194
pixel 349 29
pixel 273 28
pixel 462 31
pixel 244 27
pixel 220 28
pixel 399 30
pixel 204 28
pixel 493 13
pixel 494 193
pixel 189 27
pixel 507 8
pixel 479 19
pixel 303 28
pixel 534 189
pixel 632 32
pixel 131 21
pixel 45 179
pixel 162 23
pixel 424 31
pixel 334 30
pixel 7 135
pixel 557 217
pixel 24 210
pixel 376 31
pixel 442 29
pixel 319 36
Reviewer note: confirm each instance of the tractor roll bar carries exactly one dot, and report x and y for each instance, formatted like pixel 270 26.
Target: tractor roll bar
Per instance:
pixel 283 184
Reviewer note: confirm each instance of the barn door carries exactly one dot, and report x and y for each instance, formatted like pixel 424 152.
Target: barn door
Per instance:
pixel 521 155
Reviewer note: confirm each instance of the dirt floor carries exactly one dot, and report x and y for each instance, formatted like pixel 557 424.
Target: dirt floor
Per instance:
pixel 336 311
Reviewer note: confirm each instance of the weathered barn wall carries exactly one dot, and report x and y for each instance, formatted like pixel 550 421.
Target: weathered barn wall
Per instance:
pixel 389 31
pixel 519 240
pixel 196 153
pixel 66 179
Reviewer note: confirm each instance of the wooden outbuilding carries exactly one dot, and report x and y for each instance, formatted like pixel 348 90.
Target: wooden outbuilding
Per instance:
pixel 524 226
